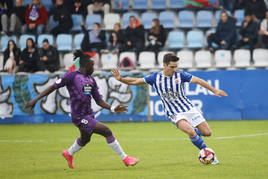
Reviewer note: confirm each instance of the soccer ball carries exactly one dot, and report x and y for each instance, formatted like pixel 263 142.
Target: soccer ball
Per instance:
pixel 206 155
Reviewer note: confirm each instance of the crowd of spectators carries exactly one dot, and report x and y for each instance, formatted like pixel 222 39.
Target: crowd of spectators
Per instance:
pixel 18 19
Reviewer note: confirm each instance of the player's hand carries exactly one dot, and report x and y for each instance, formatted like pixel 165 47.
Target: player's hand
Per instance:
pixel 220 93
pixel 120 108
pixel 30 104
pixel 116 74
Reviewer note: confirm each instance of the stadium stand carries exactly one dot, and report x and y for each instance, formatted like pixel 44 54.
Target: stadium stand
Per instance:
pixel 176 4
pixel 175 40
pixel 78 40
pixel 51 23
pixel 139 5
pixel 167 19
pixel 125 18
pixel 146 19
pixel 4 41
pixel 124 4
pixel 109 61
pixel 241 58
pixel 260 57
pixel 239 15
pixel 186 19
pixel 68 60
pixel 203 59
pixel 64 42
pixel 130 55
pixel 186 58
pixel 194 39
pixel 159 4
pixel 147 60
pixel 160 56
pixel 111 19
pixel 77 21
pixel 223 58
pixel 204 19
pixel 91 19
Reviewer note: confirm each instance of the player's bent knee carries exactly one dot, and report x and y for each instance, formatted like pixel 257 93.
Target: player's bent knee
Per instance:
pixel 107 132
pixel 208 133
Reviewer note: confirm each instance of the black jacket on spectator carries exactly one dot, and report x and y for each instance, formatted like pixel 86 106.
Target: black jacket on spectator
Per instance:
pixel 258 8
pixel 31 61
pixel 120 35
pixel 82 10
pixel 161 37
pixel 20 13
pixel 63 16
pixel 86 45
pixel 104 1
pixel 251 31
pixel 226 31
pixel 52 64
pixel 135 35
pixel 16 52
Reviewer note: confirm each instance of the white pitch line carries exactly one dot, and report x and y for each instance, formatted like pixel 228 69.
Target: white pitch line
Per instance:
pixel 136 139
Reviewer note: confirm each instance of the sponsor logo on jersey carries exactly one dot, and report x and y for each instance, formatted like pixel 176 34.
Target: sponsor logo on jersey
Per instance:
pixel 87 89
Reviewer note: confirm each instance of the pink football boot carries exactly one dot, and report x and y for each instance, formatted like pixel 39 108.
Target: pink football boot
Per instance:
pixel 69 158
pixel 129 161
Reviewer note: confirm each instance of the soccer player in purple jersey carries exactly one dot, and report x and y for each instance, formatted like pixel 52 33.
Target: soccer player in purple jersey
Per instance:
pixel 82 87
pixel 178 108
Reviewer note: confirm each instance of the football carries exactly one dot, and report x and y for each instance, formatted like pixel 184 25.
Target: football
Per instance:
pixel 206 155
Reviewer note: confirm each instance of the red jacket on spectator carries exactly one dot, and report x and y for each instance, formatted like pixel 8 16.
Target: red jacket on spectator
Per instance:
pixel 42 19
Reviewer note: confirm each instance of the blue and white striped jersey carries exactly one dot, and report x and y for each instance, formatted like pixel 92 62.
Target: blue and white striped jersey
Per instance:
pixel 171 91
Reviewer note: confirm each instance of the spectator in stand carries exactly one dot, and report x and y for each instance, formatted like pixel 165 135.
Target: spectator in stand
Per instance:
pixel 116 39
pixel 248 32
pixel 79 7
pixel 257 8
pixel 94 40
pixel 63 15
pixel 11 57
pixel 225 35
pixel 156 37
pixel 5 11
pixel 30 61
pixel 135 36
pixel 99 5
pixel 17 18
pixel 36 18
pixel 263 32
pixel 49 57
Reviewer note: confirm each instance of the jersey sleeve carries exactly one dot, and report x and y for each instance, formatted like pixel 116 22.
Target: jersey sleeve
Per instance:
pixel 150 79
pixel 186 77
pixel 95 92
pixel 66 79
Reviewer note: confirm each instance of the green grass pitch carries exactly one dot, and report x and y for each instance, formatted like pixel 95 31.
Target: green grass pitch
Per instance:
pixel 34 151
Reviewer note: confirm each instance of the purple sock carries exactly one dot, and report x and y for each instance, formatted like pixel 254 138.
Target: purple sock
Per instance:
pixel 110 139
pixel 78 140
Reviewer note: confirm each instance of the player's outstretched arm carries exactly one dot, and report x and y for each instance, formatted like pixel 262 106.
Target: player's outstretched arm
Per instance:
pixel 128 81
pixel 46 92
pixel 118 109
pixel 205 84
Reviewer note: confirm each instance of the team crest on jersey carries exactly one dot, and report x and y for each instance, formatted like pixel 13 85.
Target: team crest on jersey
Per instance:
pixel 177 81
pixel 87 89
pixel 58 81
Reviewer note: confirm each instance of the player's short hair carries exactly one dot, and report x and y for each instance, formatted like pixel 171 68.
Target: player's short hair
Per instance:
pixel 83 58
pixel 170 57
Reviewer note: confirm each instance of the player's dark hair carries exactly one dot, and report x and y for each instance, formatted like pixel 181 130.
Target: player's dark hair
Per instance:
pixel 170 57
pixel 83 58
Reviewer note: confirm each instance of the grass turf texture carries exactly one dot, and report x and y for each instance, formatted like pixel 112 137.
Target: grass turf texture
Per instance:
pixel 34 151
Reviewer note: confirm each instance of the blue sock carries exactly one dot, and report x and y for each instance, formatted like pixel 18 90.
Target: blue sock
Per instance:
pixel 198 132
pixel 198 142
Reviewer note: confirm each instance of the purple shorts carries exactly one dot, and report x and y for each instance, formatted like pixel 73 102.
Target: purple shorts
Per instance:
pixel 85 124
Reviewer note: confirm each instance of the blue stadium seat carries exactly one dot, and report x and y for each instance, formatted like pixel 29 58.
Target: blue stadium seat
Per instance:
pixel 204 18
pixel 176 4
pixel 194 39
pixel 52 23
pixel 125 18
pixel 92 19
pixel 64 42
pixel 27 2
pixel 146 19
pixel 175 39
pixel 167 19
pixel 125 4
pixel 239 15
pixel 5 39
pixel 158 4
pixel 78 40
pixel 140 4
pixel 186 19
pixel 77 20
pixel 48 4
pixel 41 37
pixel 23 39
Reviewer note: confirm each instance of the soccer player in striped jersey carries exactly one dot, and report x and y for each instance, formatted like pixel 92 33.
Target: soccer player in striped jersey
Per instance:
pixel 169 85
pixel 82 87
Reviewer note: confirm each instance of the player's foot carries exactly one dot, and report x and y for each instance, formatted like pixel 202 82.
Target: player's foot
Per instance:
pixel 69 158
pixel 129 161
pixel 215 161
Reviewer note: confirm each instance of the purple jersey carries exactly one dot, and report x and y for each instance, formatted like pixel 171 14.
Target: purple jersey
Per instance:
pixel 81 89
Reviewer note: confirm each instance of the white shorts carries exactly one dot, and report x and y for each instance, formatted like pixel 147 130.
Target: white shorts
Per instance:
pixel 194 117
